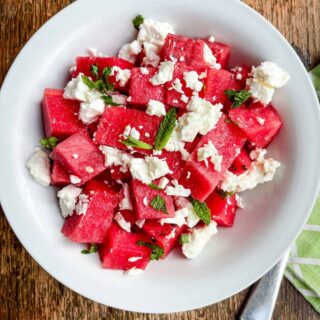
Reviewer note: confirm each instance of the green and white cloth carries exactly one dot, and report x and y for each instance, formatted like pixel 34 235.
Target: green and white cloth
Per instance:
pixel 303 269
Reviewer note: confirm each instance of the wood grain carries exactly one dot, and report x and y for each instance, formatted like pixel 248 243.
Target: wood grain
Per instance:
pixel 27 291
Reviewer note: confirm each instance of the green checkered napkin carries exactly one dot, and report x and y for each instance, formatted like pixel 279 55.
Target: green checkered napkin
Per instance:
pixel 303 269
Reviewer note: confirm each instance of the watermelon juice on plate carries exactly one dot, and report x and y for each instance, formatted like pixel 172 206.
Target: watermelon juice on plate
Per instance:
pixel 152 148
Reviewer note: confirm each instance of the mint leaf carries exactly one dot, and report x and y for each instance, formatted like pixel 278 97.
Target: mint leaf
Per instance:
pixel 159 204
pixel 94 70
pixel 132 142
pixel 237 97
pixel 165 130
pixel 93 249
pixel 101 85
pixel 154 186
pixel 49 143
pixel 202 210
pixel 106 72
pixel 156 251
pixel 108 100
pixel 224 194
pixel 138 21
pixel 88 82
pixel 184 238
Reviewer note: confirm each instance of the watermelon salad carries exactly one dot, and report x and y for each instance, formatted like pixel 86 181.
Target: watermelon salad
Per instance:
pixel 151 149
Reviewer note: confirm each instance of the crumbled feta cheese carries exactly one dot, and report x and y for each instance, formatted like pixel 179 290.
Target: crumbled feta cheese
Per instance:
pixel 120 99
pixel 175 101
pixel 177 190
pixel 190 215
pixel 164 74
pixel 209 57
pixel 39 167
pixel 76 89
pixel 177 86
pixel 156 108
pixel 239 202
pixel 75 156
pixel 145 201
pixel 144 70
pixel 209 151
pixel 147 134
pixel 178 219
pixel 89 169
pixel 261 170
pixel 260 120
pixel 130 51
pixel 133 272
pixel 203 75
pixel 198 239
pixel 171 235
pixel 129 99
pixel 188 175
pixel 132 132
pixel 93 52
pixel 126 226
pixel 151 57
pixel 260 92
pixel 122 75
pixel 140 223
pixel 148 169
pixel 134 259
pixel 90 111
pixel 184 98
pixel 68 197
pixel 74 179
pixel 82 205
pixel 154 32
pixel 211 39
pixel 116 157
pixel 163 182
pixel 238 76
pixel 181 59
pixel 192 81
pixel 125 203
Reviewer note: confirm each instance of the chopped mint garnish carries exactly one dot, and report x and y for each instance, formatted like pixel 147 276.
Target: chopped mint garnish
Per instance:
pixel 184 238
pixel 154 186
pixel 49 143
pixel 108 101
pixel 156 251
pixel 159 204
pixel 224 194
pixel 101 85
pixel 202 210
pixel 93 249
pixel 165 130
pixel 138 21
pixel 94 70
pixel 237 97
pixel 132 142
pixel 88 82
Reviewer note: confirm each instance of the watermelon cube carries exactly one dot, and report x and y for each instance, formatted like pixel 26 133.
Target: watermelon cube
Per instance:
pixel 142 195
pixel 92 226
pixel 241 163
pixel 260 124
pixel 120 250
pixel 59 175
pixel 175 98
pixel 142 90
pixel 202 178
pixel 174 161
pixel 114 121
pixel 241 74
pixel 80 156
pixel 60 116
pixel 217 82
pixel 166 235
pixel 222 208
pixel 221 51
pixel 183 49
pixel 83 65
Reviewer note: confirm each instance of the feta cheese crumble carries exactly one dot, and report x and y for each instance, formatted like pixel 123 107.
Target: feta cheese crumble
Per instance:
pixel 133 272
pixel 177 190
pixel 151 57
pixel 132 132
pixel 260 120
pixel 192 81
pixel 198 239
pixel 82 205
pixel 125 203
pixel 211 39
pixel 130 51
pixel 163 182
pixel 164 74
pixel 116 157
pixel 239 202
pixel 261 170
pixel 177 86
pixel 134 259
pixel 156 108
pixel 209 151
pixel 39 167
pixel 68 197
pixel 140 223
pixel 210 58
pixel 122 75
pixel 74 179
pixel 126 226
pixel 171 235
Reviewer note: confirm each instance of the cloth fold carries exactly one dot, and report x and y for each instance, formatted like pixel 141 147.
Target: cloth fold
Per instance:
pixel 303 269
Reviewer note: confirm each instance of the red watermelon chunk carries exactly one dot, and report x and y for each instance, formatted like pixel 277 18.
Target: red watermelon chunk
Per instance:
pixel 143 195
pixel 221 51
pixel 80 156
pixel 202 179
pixel 166 235
pixel 115 120
pixel 241 74
pixel 183 49
pixel 59 175
pixel 83 65
pixel 260 124
pixel 173 98
pixel 93 226
pixel 222 209
pixel 217 82
pixel 174 161
pixel 241 163
pixel 60 116
pixel 142 90
pixel 119 246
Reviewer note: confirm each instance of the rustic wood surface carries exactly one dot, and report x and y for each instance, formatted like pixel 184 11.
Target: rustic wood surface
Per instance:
pixel 27 291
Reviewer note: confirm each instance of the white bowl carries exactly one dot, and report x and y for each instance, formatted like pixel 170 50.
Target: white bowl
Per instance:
pixel 274 213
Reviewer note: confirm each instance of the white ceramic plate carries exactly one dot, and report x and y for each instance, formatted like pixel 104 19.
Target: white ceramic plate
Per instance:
pixel 236 257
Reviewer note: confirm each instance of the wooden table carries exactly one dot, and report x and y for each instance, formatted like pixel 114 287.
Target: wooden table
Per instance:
pixel 27 291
